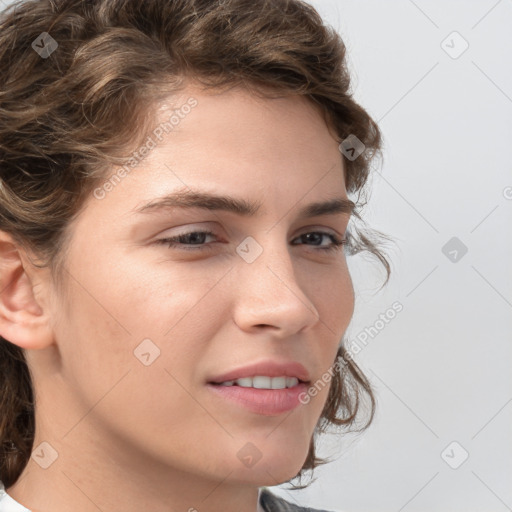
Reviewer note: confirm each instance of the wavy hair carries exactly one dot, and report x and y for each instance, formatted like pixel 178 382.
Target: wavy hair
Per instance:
pixel 68 116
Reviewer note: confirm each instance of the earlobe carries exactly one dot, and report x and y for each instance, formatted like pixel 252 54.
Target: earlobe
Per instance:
pixel 23 320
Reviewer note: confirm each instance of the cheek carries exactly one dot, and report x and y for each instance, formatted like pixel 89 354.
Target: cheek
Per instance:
pixel 130 346
pixel 332 292
pixel 171 312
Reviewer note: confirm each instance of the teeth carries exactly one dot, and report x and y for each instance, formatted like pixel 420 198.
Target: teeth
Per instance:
pixel 245 382
pixel 263 382
pixel 291 381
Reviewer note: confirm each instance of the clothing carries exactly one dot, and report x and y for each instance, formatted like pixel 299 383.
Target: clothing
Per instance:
pixel 7 504
pixel 273 503
pixel 268 501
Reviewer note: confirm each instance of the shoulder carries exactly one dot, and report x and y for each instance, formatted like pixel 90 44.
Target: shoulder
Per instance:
pixel 272 503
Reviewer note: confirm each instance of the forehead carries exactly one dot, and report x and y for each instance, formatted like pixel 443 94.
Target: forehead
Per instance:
pixel 238 136
pixel 240 116
pixel 274 150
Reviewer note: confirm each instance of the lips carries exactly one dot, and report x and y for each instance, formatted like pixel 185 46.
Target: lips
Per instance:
pixel 264 402
pixel 268 368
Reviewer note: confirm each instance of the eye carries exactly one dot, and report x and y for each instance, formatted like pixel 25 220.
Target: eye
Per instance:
pixel 316 236
pixel 188 239
pixel 195 240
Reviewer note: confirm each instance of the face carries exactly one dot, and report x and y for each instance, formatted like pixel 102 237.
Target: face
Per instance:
pixel 149 324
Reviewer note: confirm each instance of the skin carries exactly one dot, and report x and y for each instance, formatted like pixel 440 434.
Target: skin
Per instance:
pixel 133 437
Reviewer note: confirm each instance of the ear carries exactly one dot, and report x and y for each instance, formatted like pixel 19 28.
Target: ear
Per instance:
pixel 24 321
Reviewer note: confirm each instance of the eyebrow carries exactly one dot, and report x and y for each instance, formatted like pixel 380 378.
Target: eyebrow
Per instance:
pixel 213 202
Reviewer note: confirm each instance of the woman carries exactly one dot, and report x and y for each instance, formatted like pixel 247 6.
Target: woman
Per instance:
pixel 175 180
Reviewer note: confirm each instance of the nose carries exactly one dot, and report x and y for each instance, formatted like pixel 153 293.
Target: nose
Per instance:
pixel 270 296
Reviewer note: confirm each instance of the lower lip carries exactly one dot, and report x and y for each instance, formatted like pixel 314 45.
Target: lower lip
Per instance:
pixel 269 402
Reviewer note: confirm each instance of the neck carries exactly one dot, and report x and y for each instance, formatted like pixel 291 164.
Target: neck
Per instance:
pixel 93 479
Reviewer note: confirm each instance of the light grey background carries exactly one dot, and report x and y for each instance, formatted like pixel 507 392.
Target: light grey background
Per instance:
pixel 442 366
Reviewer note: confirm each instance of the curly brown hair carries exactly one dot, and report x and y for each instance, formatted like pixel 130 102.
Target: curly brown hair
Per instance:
pixel 68 116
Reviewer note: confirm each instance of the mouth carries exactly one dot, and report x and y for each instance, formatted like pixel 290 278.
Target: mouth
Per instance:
pixel 266 387
pixel 262 382
pixel 265 374
pixel 261 395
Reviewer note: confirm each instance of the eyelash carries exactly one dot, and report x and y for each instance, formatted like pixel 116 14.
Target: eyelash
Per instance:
pixel 172 242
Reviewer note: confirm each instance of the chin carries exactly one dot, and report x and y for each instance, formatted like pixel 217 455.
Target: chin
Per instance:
pixel 276 474
pixel 275 469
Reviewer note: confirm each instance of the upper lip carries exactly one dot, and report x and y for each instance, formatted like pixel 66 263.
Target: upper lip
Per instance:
pixel 270 368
